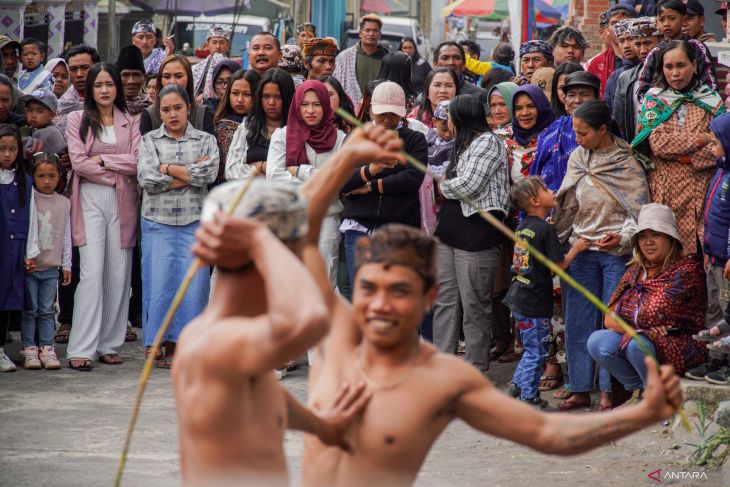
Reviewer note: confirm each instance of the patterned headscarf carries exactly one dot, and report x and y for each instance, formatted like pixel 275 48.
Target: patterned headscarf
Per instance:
pixel 542 47
pixel 622 27
pixel 280 206
pixel 659 104
pixel 320 47
pixel 291 58
pixel 644 27
pixel 144 26
pixel 218 31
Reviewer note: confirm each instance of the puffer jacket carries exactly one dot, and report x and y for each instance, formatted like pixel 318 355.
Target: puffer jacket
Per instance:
pixel 717 206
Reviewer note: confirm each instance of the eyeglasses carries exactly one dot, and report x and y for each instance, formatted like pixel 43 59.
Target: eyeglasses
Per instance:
pixel 221 83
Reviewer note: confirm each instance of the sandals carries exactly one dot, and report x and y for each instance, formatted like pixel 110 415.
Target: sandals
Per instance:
pixel 163 362
pixel 83 366
pixel 723 330
pixel 131 336
pixel 62 334
pixel 111 359
pixel 553 382
pixel 574 403
pixel 508 357
pixel 563 393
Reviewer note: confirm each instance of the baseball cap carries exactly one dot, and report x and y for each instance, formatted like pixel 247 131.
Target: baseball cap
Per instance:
pixel 722 10
pixel 388 97
pixel 7 41
pixel 694 7
pixel 280 206
pixel 44 97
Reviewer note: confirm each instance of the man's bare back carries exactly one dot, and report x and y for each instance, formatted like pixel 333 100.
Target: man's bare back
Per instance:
pixel 232 424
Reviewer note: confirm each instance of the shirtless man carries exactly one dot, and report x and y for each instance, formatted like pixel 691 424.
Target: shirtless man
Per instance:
pixel 231 411
pixel 418 391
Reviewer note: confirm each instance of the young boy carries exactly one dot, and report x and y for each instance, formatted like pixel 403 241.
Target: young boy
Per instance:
pixel 531 295
pixel 53 212
pixel 717 254
pixel 33 77
pixel 41 134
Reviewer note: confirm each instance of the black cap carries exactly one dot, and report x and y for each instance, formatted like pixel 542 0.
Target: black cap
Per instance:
pixel 694 7
pixel 130 57
pixel 582 78
pixel 722 10
pixel 622 7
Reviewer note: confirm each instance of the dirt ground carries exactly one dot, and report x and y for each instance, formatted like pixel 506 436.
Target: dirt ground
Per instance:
pixel 66 428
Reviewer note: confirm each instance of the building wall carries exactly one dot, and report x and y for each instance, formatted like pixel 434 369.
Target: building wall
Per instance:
pixel 584 15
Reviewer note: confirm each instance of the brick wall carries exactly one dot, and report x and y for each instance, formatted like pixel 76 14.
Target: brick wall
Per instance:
pixel 584 16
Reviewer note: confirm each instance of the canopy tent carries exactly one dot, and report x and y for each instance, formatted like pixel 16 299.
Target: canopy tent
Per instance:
pixel 375 6
pixel 194 7
pixel 499 9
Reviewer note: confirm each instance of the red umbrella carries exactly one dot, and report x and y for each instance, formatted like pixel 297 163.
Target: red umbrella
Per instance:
pixel 375 6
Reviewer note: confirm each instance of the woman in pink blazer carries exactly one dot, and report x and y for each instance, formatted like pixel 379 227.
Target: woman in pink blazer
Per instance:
pixel 102 145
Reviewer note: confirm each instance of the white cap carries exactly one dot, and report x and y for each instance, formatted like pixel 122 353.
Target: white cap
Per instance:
pixel 389 97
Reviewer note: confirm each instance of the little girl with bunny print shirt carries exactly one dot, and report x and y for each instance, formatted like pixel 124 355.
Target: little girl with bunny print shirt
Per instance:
pixel 53 212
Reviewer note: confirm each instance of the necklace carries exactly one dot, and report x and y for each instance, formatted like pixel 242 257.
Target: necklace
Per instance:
pixel 384 387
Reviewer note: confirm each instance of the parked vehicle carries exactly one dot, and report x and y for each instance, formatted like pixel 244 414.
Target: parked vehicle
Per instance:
pixel 408 27
pixel 194 30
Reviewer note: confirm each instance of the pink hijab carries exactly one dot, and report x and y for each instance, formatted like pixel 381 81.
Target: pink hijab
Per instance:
pixel 321 138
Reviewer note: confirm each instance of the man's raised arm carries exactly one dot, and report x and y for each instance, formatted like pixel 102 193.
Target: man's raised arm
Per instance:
pixel 296 318
pixel 487 409
pixel 370 144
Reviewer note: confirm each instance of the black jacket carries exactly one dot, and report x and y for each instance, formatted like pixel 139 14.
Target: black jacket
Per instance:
pixel 398 203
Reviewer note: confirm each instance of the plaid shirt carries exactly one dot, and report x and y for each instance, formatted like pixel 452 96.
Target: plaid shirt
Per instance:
pixel 482 175
pixel 176 206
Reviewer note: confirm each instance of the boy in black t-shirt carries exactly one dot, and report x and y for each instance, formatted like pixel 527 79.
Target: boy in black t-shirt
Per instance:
pixel 531 295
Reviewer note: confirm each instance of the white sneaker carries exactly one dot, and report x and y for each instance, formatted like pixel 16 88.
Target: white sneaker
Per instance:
pixel 30 358
pixel 280 373
pixel 6 365
pixel 49 359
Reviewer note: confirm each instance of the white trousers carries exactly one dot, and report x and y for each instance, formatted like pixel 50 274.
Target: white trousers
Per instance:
pixel 101 302
pixel 329 246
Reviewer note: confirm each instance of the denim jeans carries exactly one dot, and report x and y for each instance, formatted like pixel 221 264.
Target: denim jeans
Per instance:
pixel 165 259
pixel 351 237
pixel 600 273
pixel 535 334
pixel 626 365
pixel 40 293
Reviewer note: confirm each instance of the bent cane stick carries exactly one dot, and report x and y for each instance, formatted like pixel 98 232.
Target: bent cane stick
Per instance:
pixel 152 353
pixel 539 256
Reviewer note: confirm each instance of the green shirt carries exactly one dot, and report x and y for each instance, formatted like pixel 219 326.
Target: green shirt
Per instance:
pixel 367 67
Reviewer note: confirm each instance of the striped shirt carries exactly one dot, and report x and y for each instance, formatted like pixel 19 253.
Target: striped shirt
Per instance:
pixel 176 206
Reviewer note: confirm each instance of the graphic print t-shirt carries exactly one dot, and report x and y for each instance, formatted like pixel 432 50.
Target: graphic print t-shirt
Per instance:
pixel 531 292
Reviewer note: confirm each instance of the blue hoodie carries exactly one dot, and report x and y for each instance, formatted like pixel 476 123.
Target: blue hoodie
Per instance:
pixel 717 207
